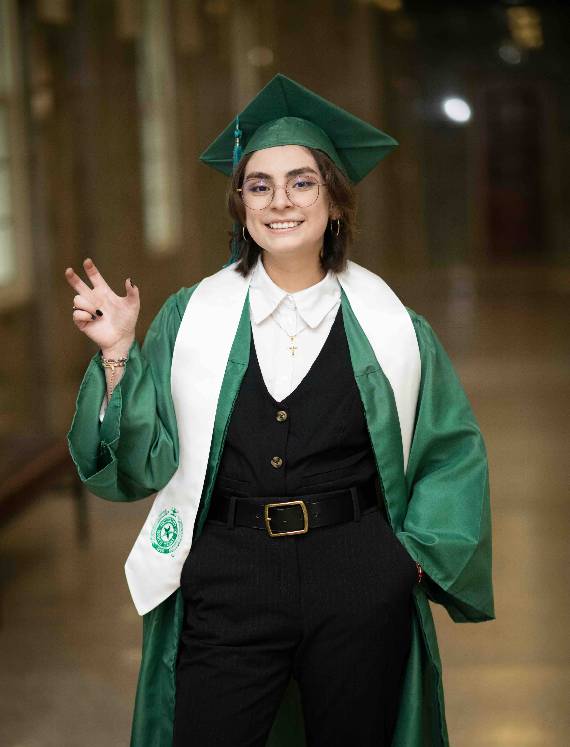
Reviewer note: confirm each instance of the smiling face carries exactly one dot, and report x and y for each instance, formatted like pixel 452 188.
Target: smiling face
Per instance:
pixel 283 229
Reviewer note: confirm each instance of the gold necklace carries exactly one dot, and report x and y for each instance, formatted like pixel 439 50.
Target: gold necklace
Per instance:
pixel 292 337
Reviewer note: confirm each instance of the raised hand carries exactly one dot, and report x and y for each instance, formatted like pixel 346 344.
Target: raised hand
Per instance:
pixel 106 318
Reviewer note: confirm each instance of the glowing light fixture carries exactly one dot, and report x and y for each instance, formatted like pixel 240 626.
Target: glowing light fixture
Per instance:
pixel 260 56
pixel 526 27
pixel 510 53
pixel 390 6
pixel 456 109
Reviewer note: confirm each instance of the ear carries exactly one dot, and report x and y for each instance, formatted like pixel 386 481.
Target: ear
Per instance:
pixel 334 212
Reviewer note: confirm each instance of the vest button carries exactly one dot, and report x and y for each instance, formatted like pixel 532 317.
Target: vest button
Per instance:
pixel 276 462
pixel 280 416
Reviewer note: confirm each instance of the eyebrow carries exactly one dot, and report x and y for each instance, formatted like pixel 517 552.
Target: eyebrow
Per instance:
pixel 293 172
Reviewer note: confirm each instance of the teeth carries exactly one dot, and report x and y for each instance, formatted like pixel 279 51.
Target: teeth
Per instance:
pixel 288 224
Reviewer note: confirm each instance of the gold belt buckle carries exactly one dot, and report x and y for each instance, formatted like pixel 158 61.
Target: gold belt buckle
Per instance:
pixel 267 518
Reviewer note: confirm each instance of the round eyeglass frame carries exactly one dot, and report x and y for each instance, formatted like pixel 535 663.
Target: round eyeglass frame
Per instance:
pixel 283 186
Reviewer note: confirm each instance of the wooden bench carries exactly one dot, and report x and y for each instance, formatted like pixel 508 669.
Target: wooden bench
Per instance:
pixel 29 465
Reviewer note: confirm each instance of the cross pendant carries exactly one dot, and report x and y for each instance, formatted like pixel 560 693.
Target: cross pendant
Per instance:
pixel 292 348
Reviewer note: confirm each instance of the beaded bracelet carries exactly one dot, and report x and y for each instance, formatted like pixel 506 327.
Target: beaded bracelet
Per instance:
pixel 112 363
pixel 420 572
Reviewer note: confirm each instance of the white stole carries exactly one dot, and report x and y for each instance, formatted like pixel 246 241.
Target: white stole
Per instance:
pixel 201 352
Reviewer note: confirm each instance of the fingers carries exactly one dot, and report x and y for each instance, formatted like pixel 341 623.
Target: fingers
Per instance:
pixel 99 283
pixel 80 302
pixel 93 274
pixel 80 316
pixel 76 282
pixel 132 290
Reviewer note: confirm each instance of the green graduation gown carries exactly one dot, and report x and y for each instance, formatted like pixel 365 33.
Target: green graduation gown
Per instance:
pixel 439 507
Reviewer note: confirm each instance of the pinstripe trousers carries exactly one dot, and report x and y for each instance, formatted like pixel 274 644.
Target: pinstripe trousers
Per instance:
pixel 332 608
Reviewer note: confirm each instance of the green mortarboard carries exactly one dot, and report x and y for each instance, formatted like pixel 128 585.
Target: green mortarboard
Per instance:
pixel 286 113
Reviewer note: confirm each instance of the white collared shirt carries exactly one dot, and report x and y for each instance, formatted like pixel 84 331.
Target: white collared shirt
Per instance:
pixel 276 314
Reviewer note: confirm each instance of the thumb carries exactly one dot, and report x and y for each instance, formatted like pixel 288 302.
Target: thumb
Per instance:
pixel 132 290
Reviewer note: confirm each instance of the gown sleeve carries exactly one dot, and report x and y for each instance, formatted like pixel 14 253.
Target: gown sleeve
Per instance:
pixel 133 451
pixel 448 520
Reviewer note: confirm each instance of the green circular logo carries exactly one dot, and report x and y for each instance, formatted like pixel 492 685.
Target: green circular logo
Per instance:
pixel 166 534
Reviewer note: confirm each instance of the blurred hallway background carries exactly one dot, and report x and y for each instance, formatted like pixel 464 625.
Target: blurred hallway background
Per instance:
pixel 105 106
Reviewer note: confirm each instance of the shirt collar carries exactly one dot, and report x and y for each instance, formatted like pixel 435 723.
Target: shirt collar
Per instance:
pixel 313 303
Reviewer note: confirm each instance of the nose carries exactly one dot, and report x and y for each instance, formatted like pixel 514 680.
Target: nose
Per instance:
pixel 280 197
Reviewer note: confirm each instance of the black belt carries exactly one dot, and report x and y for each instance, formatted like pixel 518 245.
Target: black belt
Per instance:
pixel 293 515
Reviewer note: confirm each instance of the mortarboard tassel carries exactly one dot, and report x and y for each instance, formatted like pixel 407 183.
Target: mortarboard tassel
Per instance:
pixel 236 155
pixel 237 145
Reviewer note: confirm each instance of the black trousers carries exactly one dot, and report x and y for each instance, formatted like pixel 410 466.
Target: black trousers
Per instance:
pixel 331 607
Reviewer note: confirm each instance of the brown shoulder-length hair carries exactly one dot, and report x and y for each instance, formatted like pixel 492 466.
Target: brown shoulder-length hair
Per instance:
pixel 342 196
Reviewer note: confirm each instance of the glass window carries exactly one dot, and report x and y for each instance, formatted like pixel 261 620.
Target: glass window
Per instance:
pixel 157 97
pixel 14 223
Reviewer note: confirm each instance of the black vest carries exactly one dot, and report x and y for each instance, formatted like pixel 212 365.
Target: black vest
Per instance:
pixel 315 440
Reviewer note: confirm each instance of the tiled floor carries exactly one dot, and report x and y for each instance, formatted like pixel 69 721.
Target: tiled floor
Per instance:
pixel 69 636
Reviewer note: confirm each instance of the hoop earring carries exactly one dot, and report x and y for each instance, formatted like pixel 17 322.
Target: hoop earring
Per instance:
pixel 337 232
pixel 243 234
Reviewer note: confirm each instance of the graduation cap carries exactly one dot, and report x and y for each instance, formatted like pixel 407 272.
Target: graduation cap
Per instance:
pixel 286 113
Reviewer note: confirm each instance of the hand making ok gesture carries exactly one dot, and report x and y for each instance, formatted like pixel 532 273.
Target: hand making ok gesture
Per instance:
pixel 106 318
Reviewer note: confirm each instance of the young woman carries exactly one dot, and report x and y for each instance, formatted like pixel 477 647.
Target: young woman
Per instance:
pixel 319 472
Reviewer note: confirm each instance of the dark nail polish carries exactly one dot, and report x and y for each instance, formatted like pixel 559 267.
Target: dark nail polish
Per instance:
pixel 98 312
pixel 131 282
pixel 93 316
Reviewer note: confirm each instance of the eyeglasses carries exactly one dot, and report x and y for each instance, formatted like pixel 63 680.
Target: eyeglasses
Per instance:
pixel 257 193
